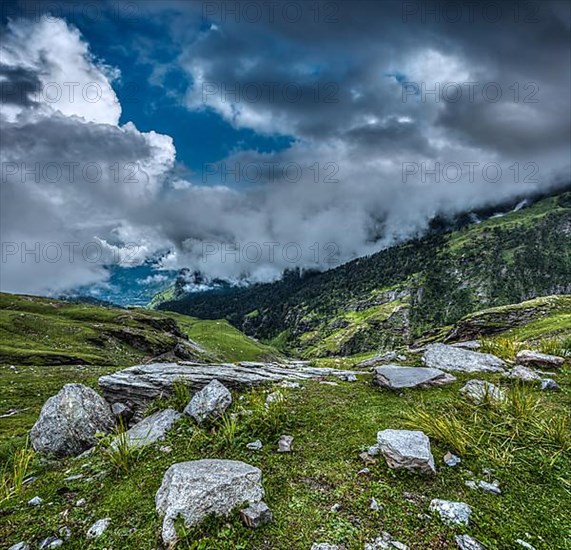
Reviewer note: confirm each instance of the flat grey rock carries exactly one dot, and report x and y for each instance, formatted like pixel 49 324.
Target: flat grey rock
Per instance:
pixel 254 445
pixel 143 383
pixel 525 374
pixel 50 543
pixel 36 501
pixel 549 385
pixel 194 490
pixel 20 546
pixel 152 428
pixel 406 449
pixel 209 403
pixel 466 542
pixel 535 359
pixel 396 377
pixel 70 420
pixel 378 359
pixel 450 358
pixel 452 513
pixel 480 390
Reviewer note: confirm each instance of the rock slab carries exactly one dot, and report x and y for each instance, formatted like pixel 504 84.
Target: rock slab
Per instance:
pixel 69 421
pixel 396 377
pixel 209 403
pixel 407 449
pixel 193 490
pixel 151 429
pixel 535 359
pixel 480 390
pixel 451 358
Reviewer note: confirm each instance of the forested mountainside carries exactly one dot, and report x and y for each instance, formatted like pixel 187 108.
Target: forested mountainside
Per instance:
pixel 392 297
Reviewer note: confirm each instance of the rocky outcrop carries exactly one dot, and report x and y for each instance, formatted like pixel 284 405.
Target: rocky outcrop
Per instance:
pixel 143 383
pixel 396 377
pixel 194 490
pixel 535 359
pixel 152 428
pixel 479 391
pixel 406 449
pixel 450 358
pixel 209 403
pixel 70 420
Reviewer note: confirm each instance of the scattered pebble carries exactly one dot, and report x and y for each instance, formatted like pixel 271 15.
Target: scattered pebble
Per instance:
pixel 348 378
pixel 98 528
pixel 328 383
pixel 284 444
pixel 549 385
pixel 375 506
pixel 451 459
pixel 165 449
pixel 336 507
pixel 364 472
pixel 50 542
pixel 466 542
pixel 254 445
pixel 451 512
pixel 20 546
pixel 492 488
pixel 36 501
pixel 74 478
pixel 525 544
pixel 80 502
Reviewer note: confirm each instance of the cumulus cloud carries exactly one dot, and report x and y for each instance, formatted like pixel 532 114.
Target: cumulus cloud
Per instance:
pixel 371 162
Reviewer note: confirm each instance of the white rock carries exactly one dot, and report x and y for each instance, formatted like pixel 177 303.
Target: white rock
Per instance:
pixel 466 542
pixel 193 490
pixel 284 444
pixel 450 358
pixel 406 449
pixel 451 459
pixel 81 502
pixel 480 390
pixel 524 544
pixel 290 385
pixel 549 385
pixel 274 397
pixel 522 373
pixel 70 420
pixel 98 528
pixel 348 377
pixel 324 546
pixel 209 403
pixel 451 512
pixel 50 543
pixel 36 501
pixel 375 506
pixel 374 450
pixel 20 546
pixel 151 429
pixel 255 445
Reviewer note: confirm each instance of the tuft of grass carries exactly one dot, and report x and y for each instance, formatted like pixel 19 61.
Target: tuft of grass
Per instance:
pixel 504 347
pixel 121 453
pixel 15 471
pixel 556 346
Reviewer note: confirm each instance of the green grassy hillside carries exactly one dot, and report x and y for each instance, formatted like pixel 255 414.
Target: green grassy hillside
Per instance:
pixel 423 284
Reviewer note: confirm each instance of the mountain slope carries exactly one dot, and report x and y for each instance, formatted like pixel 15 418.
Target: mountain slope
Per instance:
pixel 394 296
pixel 46 331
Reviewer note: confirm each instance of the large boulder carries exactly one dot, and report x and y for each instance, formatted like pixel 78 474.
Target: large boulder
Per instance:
pixel 209 403
pixel 194 490
pixel 479 391
pixel 535 359
pixel 450 358
pixel 396 377
pixel 70 420
pixel 406 449
pixel 151 429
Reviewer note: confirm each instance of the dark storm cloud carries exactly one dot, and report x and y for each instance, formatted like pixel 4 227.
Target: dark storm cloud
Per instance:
pixel 18 86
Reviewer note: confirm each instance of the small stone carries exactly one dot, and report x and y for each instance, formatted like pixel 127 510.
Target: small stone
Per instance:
pixel 50 542
pixel 36 501
pixel 407 449
pixel 254 445
pixel 274 397
pixel 466 542
pixel 525 374
pixel 471 484
pixel 451 459
pixel 364 472
pixel 480 390
pixel 324 546
pixel 524 544
pixel 20 546
pixel 165 449
pixel 451 512
pixel 256 515
pixel 290 385
pixel 489 487
pixel 81 502
pixel 74 478
pixel 549 385
pixel 367 458
pixel 375 506
pixel 328 383
pixel 98 528
pixel 348 378
pixel 284 444
pixel 209 403
pixel 539 360
pixel 122 411
pixel 336 507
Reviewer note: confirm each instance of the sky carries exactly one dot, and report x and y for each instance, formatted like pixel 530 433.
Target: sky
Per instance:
pixel 244 138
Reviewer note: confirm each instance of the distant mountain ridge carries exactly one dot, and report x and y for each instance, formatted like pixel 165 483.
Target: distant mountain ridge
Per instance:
pixel 393 296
